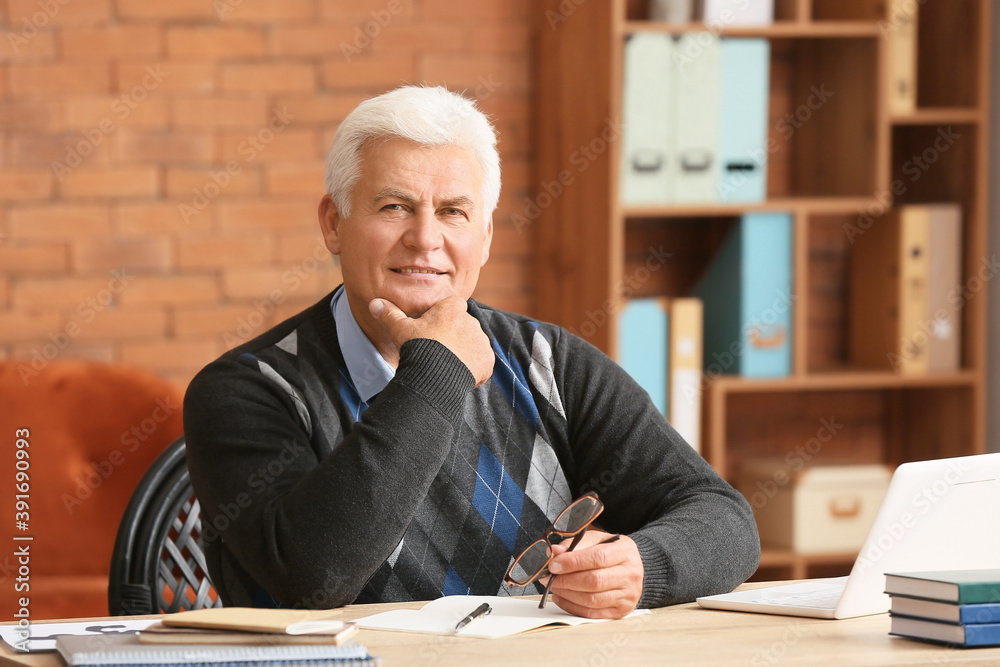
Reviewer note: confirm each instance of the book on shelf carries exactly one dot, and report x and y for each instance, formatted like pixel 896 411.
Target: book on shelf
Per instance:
pixel 901 34
pixel 945 612
pixel 744 85
pixel 971 634
pixel 904 270
pixel 659 345
pixel 696 127
pixel 747 295
pixel 126 649
pixel 647 154
pixel 671 11
pixel 955 586
pixel 724 13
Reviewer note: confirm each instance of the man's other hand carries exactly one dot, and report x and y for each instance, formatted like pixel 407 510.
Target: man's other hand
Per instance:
pixel 449 323
pixel 597 580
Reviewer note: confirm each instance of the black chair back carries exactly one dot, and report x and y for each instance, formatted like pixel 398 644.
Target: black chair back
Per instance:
pixel 158 565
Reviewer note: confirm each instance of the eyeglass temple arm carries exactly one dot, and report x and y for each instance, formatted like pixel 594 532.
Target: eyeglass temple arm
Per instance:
pixel 552 577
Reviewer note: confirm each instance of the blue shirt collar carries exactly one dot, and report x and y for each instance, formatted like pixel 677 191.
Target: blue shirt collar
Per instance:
pixel 369 371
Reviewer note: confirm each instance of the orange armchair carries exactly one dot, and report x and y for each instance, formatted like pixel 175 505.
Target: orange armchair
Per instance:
pixel 87 432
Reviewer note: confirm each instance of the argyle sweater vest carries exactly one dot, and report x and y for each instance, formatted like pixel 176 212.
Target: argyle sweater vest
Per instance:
pixel 501 483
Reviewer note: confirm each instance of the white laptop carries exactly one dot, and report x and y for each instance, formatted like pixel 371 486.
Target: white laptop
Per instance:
pixel 936 515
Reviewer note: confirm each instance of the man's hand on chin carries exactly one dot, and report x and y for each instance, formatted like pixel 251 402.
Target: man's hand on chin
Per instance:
pixel 449 323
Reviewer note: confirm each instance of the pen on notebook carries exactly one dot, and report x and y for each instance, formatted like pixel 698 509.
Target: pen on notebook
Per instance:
pixel 482 610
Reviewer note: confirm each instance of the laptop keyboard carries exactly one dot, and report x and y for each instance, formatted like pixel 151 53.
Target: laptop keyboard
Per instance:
pixel 824 599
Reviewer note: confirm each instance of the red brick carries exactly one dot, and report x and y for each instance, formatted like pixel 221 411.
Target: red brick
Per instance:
pixel 294 306
pixel 65 293
pixel 28 325
pixel 157 218
pixel 263 145
pixel 295 246
pixel 214 42
pixel 65 12
pixel 59 222
pixel 276 214
pixel 34 258
pixel 32 116
pixel 295 179
pixel 222 252
pixel 165 146
pixel 310 40
pixel 187 356
pixel 218 320
pixel 88 112
pixel 170 290
pixel 367 10
pixel 484 10
pixel 239 181
pixel 144 253
pixel 4 291
pixel 117 324
pixel 58 152
pixel 267 11
pixel 478 76
pixel 87 183
pixel 189 76
pixel 25 185
pixel 307 277
pixel 322 108
pixel 24 44
pixel 165 11
pixel 209 112
pixel 419 37
pixel 58 80
pixel 110 42
pixel 32 353
pixel 508 39
pixel 374 73
pixel 268 77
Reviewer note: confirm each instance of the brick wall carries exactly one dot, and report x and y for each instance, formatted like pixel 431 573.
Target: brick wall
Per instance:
pixel 161 161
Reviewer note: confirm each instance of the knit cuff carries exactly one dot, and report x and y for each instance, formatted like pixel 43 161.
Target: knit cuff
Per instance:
pixel 656 572
pixel 434 372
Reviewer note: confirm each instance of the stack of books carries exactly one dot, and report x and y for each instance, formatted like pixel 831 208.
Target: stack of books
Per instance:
pixel 224 637
pixel 959 607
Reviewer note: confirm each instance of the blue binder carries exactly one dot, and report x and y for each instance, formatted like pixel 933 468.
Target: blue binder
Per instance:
pixel 642 346
pixel 745 81
pixel 747 294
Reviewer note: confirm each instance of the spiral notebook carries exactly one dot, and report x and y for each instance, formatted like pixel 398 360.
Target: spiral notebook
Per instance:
pixel 118 650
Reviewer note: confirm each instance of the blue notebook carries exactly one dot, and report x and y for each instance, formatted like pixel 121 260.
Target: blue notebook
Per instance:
pixel 747 292
pixel 643 328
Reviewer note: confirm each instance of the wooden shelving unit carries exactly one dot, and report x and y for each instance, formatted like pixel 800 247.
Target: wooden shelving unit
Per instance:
pixel 845 160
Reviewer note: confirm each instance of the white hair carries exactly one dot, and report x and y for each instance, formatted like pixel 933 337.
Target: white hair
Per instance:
pixel 429 116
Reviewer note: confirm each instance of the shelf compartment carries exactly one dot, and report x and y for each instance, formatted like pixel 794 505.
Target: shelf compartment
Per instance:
pixel 950 35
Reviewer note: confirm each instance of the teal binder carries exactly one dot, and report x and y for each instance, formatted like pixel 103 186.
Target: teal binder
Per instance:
pixel 747 294
pixel 743 107
pixel 642 346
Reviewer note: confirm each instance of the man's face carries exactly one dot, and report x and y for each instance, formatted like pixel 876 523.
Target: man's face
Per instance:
pixel 416 233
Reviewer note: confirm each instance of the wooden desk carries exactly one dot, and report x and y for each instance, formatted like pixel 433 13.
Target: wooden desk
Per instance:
pixel 682 635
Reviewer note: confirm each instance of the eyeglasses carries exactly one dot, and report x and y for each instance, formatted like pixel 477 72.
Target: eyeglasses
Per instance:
pixel 534 561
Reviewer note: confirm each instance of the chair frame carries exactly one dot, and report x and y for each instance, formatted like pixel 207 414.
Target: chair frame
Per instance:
pixel 156 549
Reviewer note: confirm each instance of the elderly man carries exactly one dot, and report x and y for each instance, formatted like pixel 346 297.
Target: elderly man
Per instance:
pixel 401 441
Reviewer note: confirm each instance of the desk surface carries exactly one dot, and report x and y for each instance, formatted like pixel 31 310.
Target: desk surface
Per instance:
pixel 682 634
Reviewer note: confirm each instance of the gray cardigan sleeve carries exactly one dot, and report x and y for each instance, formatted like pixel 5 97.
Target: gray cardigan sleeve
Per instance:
pixel 695 533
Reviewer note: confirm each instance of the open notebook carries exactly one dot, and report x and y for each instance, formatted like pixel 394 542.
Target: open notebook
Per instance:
pixel 510 616
pixel 933 517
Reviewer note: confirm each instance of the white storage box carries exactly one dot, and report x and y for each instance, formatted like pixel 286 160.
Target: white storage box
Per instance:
pixel 819 508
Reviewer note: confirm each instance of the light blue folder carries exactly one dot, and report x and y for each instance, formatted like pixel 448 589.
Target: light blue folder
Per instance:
pixel 747 292
pixel 742 175
pixel 642 346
